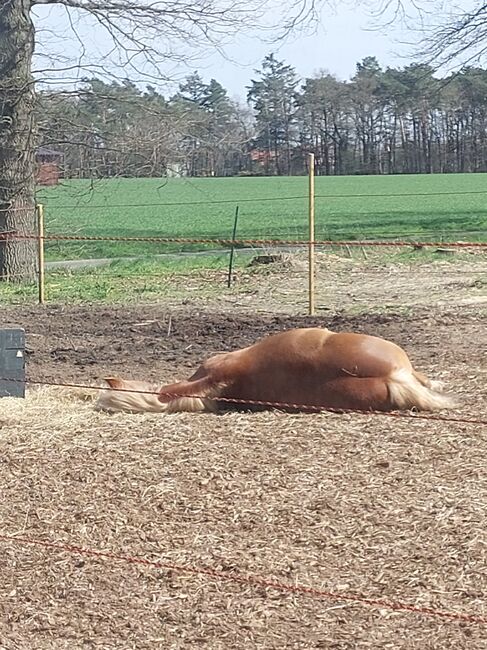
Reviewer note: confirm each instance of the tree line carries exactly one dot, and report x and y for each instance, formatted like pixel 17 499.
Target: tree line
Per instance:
pixel 381 121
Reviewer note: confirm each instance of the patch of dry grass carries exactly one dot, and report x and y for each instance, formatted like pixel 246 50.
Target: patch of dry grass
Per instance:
pixel 363 504
pixel 378 283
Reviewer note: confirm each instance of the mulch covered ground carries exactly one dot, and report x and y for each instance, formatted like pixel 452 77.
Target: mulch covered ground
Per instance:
pixel 391 509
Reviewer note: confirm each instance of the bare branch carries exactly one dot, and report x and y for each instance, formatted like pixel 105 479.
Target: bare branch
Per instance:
pixel 444 33
pixel 145 35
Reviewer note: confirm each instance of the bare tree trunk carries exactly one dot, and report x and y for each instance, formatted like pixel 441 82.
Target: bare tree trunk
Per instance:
pixel 425 142
pixel 17 140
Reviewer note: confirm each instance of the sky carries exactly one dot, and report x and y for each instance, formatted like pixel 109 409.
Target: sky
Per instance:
pixel 342 38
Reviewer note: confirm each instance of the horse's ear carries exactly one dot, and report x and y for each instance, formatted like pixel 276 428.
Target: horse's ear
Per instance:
pixel 114 382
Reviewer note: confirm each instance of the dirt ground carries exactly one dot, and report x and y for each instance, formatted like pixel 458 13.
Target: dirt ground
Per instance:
pixel 156 342
pixel 371 505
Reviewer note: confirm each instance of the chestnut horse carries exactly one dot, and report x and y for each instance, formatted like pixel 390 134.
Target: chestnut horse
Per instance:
pixel 311 367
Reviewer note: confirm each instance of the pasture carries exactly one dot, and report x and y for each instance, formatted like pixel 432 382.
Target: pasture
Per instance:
pixel 389 509
pixel 348 207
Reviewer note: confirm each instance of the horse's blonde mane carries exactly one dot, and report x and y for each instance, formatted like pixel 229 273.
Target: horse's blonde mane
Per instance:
pixel 120 398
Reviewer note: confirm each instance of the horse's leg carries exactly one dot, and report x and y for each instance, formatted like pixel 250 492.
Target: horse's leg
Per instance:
pixel 437 386
pixel 192 395
pixel 361 393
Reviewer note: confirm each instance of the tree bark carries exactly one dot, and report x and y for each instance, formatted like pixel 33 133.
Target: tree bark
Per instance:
pixel 18 259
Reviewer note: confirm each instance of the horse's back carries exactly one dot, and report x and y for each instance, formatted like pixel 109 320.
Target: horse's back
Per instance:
pixel 319 351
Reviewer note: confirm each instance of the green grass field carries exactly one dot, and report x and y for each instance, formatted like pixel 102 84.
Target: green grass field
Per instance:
pixel 269 208
pixel 196 277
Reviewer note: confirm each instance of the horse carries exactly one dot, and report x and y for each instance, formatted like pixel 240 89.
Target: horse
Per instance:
pixel 294 370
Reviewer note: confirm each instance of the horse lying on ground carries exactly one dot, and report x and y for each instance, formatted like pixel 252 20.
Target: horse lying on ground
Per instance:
pixel 311 367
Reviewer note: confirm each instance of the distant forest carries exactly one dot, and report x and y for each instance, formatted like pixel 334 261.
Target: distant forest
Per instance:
pixel 381 121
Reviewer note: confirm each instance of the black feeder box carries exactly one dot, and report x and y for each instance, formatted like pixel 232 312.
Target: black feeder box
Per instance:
pixel 12 363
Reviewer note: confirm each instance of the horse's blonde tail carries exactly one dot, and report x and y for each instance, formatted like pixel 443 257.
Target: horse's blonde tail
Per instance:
pixel 407 391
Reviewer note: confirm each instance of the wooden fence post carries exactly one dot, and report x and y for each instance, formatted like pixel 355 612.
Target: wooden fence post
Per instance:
pixel 311 233
pixel 40 252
